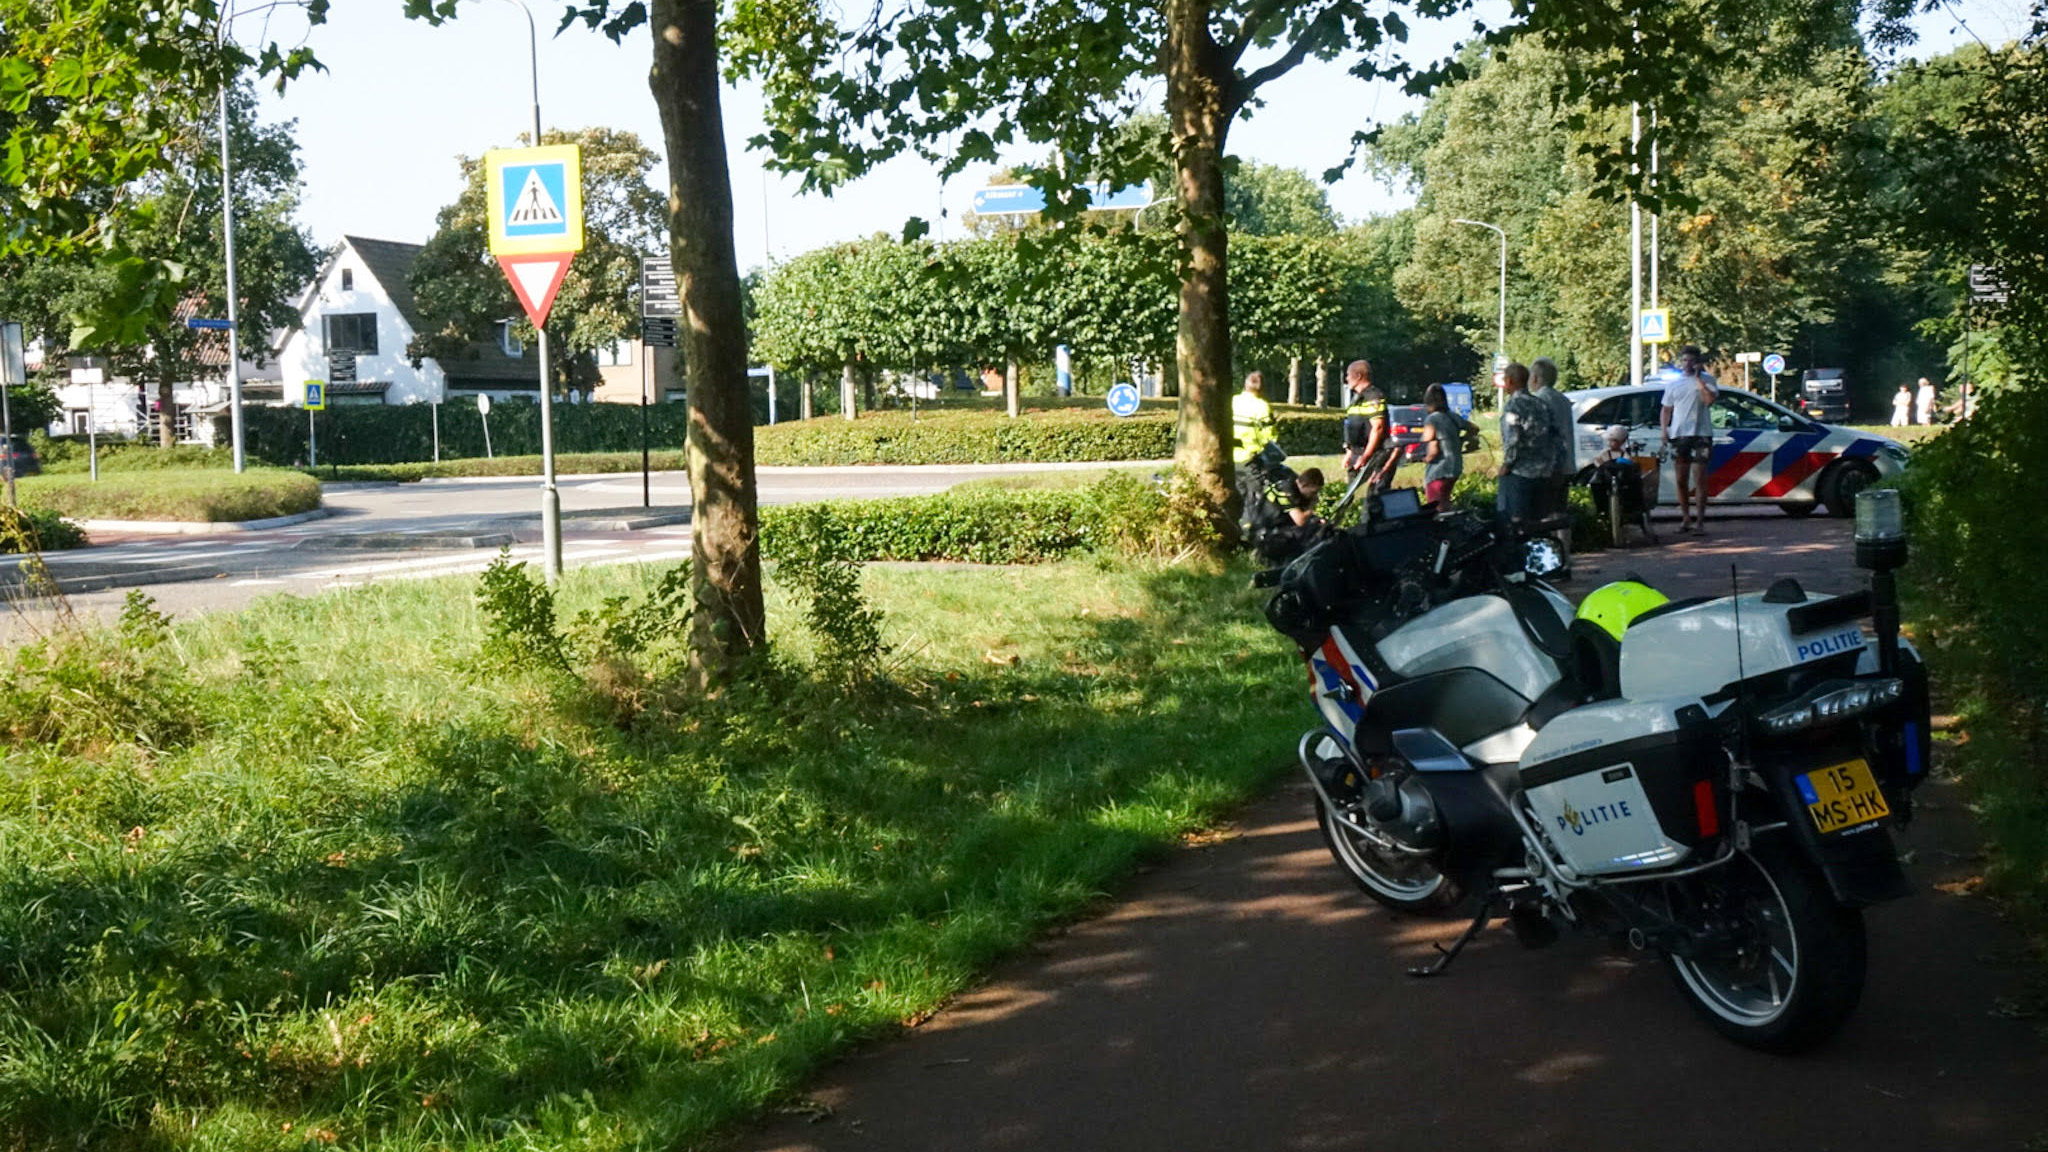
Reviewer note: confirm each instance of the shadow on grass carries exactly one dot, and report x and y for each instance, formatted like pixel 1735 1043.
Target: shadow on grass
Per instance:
pixel 571 929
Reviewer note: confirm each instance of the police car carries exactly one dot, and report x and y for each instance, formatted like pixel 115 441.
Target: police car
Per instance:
pixel 1763 452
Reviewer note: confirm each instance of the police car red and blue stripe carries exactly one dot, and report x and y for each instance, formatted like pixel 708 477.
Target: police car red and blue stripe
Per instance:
pixel 1763 452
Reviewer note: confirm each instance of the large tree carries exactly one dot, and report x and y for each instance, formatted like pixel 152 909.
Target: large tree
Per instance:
pixel 1759 251
pixel 961 80
pixel 463 296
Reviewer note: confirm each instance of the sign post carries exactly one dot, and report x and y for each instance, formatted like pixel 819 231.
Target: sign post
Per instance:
pixel 315 401
pixel 13 371
pixel 1746 359
pixel 1774 364
pixel 483 412
pixel 87 371
pixel 661 310
pixel 535 211
pixel 1123 399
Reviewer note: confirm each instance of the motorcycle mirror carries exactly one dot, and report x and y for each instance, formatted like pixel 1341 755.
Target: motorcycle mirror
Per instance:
pixel 1542 557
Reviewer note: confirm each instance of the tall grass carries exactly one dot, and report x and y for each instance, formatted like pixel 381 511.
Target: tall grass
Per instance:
pixel 346 876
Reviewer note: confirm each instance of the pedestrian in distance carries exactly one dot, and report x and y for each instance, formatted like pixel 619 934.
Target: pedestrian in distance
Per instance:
pixel 1923 403
pixel 1902 406
pixel 1251 421
pixel 1528 447
pixel 1443 460
pixel 1543 386
pixel 1366 443
pixel 1688 432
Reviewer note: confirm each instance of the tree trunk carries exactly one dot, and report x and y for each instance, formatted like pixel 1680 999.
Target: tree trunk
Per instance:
pixel 725 572
pixel 1011 402
pixel 1294 379
pixel 1169 378
pixel 804 398
pixel 1322 381
pixel 1197 86
pixel 848 392
pixel 166 415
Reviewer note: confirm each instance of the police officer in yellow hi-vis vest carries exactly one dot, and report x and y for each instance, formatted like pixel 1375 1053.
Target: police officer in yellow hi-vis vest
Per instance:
pixel 1251 421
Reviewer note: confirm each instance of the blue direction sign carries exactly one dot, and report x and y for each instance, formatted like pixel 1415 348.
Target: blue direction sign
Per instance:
pixel 1023 199
pixel 1123 400
pixel 209 325
pixel 1774 364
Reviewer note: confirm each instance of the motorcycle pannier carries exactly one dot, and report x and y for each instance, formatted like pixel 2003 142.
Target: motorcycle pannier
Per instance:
pixel 1618 806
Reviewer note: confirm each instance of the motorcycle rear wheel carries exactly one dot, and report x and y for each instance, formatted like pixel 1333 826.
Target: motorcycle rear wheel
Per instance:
pixel 1411 884
pixel 1793 970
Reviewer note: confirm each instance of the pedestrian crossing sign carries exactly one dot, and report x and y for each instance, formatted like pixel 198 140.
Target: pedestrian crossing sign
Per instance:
pixel 535 199
pixel 316 395
pixel 1654 325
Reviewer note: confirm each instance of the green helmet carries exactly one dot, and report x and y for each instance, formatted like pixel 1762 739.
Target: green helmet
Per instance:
pixel 1612 607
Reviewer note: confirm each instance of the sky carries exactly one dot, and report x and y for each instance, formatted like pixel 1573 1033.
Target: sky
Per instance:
pixel 379 131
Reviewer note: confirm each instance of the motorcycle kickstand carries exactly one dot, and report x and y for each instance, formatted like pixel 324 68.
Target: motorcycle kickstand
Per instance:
pixel 1445 955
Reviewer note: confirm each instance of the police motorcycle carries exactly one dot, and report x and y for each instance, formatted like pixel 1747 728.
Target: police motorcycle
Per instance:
pixel 1713 781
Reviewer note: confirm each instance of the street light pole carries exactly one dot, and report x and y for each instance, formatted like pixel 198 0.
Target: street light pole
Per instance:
pixel 227 228
pixel 550 495
pixel 1500 349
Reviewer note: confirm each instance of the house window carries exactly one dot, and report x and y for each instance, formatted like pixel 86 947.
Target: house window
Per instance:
pixel 508 340
pixel 618 354
pixel 352 332
pixel 348 279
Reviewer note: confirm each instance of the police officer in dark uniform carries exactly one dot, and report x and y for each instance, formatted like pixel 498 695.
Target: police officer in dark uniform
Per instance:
pixel 1366 443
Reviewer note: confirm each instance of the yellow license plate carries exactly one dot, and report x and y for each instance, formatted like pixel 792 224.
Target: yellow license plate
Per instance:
pixel 1842 797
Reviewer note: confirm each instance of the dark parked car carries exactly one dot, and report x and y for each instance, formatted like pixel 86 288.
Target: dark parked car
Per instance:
pixel 1404 426
pixel 1824 395
pixel 17 453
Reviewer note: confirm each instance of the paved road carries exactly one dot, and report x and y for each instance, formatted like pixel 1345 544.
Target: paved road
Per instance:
pixel 1246 997
pixel 383 532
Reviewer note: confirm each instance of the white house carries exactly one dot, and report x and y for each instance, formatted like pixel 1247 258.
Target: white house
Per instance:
pixel 355 322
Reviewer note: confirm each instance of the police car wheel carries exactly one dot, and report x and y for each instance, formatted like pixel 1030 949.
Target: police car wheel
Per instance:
pixel 1799 510
pixel 1840 486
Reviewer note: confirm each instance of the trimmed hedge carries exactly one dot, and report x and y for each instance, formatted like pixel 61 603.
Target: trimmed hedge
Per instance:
pixel 979 527
pixel 356 435
pixel 200 496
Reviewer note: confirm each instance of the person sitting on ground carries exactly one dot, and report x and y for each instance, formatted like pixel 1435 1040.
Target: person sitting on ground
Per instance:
pixel 1282 521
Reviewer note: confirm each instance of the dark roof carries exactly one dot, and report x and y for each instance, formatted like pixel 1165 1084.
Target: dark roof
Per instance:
pixel 391 263
pixel 483 364
pixel 358 387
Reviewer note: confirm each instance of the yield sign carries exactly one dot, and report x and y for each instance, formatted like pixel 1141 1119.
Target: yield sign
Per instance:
pixel 536 277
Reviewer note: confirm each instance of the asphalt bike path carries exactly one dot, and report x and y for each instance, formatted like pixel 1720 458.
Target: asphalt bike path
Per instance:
pixel 1245 996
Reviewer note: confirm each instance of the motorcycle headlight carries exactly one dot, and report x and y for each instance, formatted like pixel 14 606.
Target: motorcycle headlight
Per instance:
pixel 1831 703
pixel 1542 557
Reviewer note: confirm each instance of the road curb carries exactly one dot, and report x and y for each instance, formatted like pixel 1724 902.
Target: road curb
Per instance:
pixel 199 528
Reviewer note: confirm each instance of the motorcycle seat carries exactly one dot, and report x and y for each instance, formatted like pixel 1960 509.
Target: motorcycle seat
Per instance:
pixel 1595 663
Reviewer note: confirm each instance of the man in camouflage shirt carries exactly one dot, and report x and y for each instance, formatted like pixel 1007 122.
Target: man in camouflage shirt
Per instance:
pixel 1529 438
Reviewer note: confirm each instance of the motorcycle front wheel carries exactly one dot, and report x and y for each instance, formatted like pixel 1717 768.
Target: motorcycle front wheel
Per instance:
pixel 1405 883
pixel 1782 965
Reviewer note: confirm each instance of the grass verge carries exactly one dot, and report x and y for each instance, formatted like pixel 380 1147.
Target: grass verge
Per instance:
pixel 324 871
pixel 205 496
